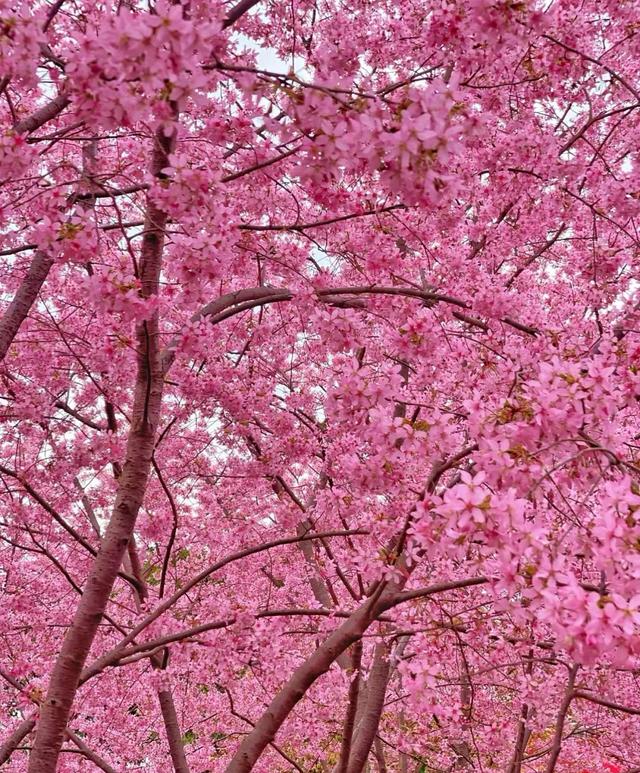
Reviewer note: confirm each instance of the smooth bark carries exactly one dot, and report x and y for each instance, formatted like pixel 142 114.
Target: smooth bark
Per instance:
pixel 172 727
pixel 370 718
pixel 23 300
pixel 352 706
pixel 15 739
pixel 131 489
pixel 42 115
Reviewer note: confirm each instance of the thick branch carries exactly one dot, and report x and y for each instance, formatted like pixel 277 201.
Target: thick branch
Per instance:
pixel 400 598
pixel 131 489
pixel 352 706
pixel 233 303
pixel 283 754
pixel 41 116
pixel 303 677
pixel 172 727
pixel 16 738
pixel 370 718
pixel 23 300
pixel 238 11
pixel 382 598
pixel 585 696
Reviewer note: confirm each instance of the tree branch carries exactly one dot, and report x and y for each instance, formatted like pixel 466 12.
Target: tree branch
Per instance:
pixel 238 11
pixel 174 736
pixel 114 654
pixel 23 300
pixel 562 713
pixel 15 739
pixel 585 696
pixel 352 706
pixel 370 717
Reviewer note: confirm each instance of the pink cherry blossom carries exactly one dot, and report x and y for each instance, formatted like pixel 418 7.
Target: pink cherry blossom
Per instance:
pixel 319 380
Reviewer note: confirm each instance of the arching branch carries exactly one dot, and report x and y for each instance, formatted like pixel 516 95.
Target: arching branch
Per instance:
pixel 233 303
pixel 114 654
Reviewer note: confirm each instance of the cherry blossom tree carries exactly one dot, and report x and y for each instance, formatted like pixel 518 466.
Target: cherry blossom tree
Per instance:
pixel 319 381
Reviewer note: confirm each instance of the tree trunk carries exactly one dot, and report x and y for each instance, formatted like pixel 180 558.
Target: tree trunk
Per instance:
pixel 379 751
pixel 368 728
pixel 131 489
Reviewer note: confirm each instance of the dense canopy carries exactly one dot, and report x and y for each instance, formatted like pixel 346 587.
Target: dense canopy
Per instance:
pixel 319 381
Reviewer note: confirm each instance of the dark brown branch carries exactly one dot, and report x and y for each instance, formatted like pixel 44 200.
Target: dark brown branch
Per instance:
pixel 238 11
pixel 52 13
pixel 174 527
pixel 319 223
pixel 547 245
pixel 622 81
pixel 233 303
pixel 261 165
pixel 419 593
pixel 589 123
pixel 77 415
pixel 106 193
